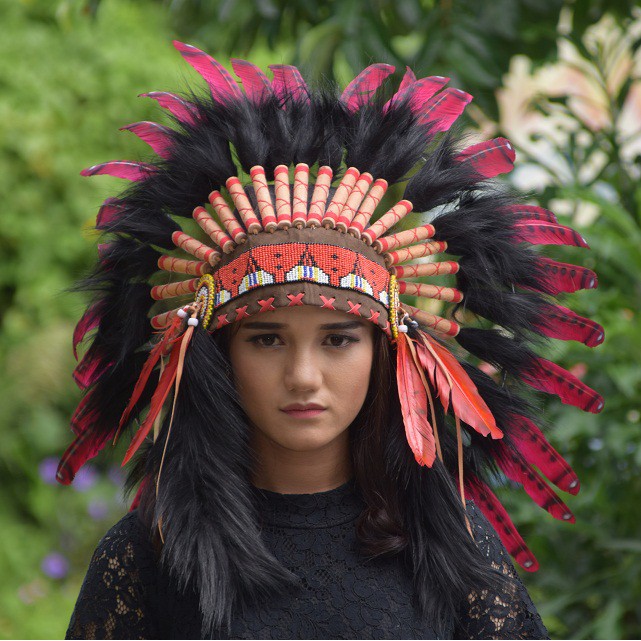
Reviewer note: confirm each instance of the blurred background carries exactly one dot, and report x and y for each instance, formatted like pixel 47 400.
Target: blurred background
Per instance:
pixel 562 80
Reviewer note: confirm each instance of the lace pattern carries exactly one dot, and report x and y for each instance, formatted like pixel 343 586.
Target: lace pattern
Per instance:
pixel 126 595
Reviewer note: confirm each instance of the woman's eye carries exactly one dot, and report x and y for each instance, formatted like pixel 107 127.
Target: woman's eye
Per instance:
pixel 340 340
pixel 265 340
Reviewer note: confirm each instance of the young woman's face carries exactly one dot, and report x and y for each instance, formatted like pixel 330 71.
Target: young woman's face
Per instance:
pixel 302 374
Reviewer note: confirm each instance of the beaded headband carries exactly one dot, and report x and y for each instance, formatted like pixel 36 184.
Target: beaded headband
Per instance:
pixel 282 238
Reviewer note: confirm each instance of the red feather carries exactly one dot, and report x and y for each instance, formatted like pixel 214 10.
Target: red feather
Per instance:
pixel 109 212
pixel 89 320
pixel 155 135
pixel 83 416
pixel 563 277
pixel 362 89
pixel 84 447
pixel 90 369
pixel 517 470
pixel 418 93
pixel 562 323
pixel 414 405
pixel 408 78
pixel 255 82
pixel 532 212
pixel 288 83
pixel 490 158
pixel 549 377
pixel 126 169
pixel 223 87
pixel 148 367
pixel 157 401
pixel 182 110
pixel 141 488
pixel 467 403
pixel 443 109
pixel 543 233
pixel 533 445
pixel 496 514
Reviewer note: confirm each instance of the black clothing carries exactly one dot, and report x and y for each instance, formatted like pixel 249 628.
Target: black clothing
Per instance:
pixel 126 595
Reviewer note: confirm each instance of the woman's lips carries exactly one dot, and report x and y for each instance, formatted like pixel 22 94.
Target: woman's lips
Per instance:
pixel 304 412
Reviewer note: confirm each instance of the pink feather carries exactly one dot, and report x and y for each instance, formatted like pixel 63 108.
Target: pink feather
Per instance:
pixel 551 378
pixel 89 320
pixel 442 110
pixel 532 212
pixel 418 93
pixel 288 84
pixel 255 82
pixel 409 78
pixel 109 212
pixel 135 171
pixel 517 470
pixel 182 110
pixel 84 447
pixel 562 323
pixel 155 135
pixel 536 449
pixel 90 369
pixel 223 87
pixel 362 89
pixel 563 277
pixel 490 158
pixel 543 233
pixel 496 514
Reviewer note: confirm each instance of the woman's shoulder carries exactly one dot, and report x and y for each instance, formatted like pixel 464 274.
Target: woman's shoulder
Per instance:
pixel 128 540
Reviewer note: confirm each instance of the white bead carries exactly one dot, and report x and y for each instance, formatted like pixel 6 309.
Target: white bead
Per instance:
pixel 193 322
pixel 182 313
pixel 402 329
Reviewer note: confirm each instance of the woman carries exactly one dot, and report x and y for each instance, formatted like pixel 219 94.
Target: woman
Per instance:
pixel 302 481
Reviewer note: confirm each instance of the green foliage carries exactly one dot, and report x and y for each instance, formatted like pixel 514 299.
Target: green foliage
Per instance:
pixel 69 72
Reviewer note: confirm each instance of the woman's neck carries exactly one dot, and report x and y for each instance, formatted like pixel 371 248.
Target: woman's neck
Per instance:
pixel 278 469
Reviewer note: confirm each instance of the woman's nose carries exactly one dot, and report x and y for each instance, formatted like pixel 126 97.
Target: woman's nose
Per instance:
pixel 303 371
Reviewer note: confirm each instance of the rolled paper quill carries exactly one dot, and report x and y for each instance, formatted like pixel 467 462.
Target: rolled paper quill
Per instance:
pixel 172 290
pixel 428 248
pixel 368 207
pixel 182 266
pixel 213 229
pixel 340 198
pixel 283 197
pixel 243 206
pixel 196 248
pixel 301 186
pixel 436 323
pixel 227 218
pixel 354 201
pixel 425 269
pixel 161 321
pixel 430 291
pixel 319 196
pixel 387 221
pixel 404 238
pixel 263 198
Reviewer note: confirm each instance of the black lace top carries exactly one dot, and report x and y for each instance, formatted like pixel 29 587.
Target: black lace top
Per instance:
pixel 126 596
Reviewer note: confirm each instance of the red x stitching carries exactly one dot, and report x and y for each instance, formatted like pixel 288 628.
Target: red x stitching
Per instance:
pixel 295 299
pixel 327 303
pixel 353 308
pixel 241 312
pixel 266 305
pixel 374 316
pixel 222 320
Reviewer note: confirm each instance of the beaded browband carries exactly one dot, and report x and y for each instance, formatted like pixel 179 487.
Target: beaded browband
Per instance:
pixel 330 244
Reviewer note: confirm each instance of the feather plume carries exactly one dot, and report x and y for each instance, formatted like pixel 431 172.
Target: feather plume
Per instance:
pixel 418 93
pixel 109 212
pixel 155 135
pixel 256 84
pixel 496 514
pixel 467 403
pixel 532 212
pixel 536 449
pixel 563 277
pixel 490 158
pixel 442 110
pixel 562 323
pixel 181 109
pixel 551 378
pixel 84 447
pixel 362 89
pixel 222 85
pixel 90 369
pixel 288 83
pixel 89 320
pixel 539 232
pixel 127 169
pixel 414 404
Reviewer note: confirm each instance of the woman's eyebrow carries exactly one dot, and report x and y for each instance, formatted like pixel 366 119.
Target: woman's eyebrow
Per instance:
pixel 262 325
pixel 355 324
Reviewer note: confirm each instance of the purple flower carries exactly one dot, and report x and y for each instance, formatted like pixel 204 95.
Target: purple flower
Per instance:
pixel 97 509
pixel 86 478
pixel 47 470
pixel 55 565
pixel 116 476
